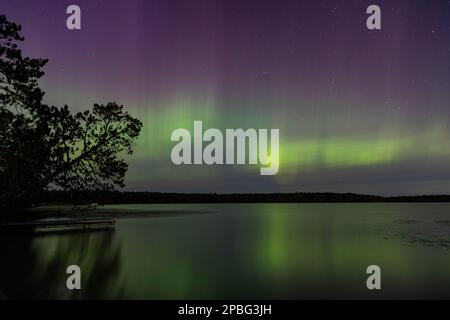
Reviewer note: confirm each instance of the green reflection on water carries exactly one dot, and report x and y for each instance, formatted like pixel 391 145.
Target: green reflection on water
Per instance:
pixel 242 251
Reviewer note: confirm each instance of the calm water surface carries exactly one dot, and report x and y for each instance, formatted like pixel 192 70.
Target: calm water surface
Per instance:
pixel 281 251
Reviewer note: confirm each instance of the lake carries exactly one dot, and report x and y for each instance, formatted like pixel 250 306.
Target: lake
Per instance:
pixel 240 251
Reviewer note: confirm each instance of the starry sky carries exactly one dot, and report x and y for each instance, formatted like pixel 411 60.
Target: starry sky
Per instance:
pixel 358 110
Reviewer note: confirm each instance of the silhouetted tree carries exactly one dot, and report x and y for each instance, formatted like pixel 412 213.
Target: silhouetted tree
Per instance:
pixel 85 157
pixel 49 147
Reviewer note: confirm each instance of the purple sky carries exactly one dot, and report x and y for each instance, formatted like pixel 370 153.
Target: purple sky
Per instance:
pixel 358 110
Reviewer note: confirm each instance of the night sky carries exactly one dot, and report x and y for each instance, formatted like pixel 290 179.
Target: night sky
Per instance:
pixel 359 110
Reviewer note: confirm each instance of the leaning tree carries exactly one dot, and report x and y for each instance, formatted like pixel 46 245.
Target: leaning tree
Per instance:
pixel 49 147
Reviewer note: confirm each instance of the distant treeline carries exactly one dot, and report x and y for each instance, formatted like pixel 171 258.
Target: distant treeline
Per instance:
pixel 116 197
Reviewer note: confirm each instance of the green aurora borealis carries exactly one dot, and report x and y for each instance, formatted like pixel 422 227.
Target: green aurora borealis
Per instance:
pixel 358 110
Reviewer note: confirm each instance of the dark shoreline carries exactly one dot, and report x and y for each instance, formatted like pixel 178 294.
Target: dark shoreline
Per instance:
pixel 58 204
pixel 117 197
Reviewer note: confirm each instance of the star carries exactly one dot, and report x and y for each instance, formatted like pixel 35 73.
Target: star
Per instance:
pixel 334 10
